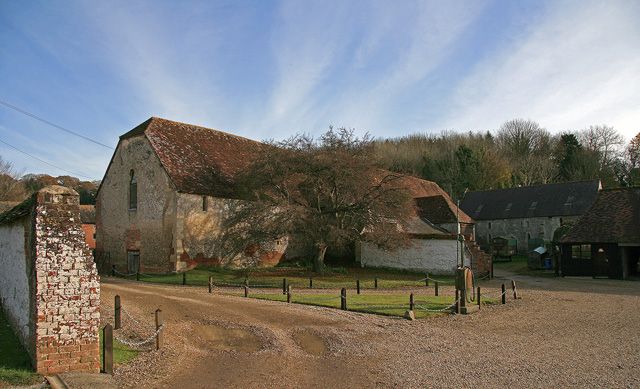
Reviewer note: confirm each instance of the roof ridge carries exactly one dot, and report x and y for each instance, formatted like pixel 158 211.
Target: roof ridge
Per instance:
pixel 537 185
pixel 157 118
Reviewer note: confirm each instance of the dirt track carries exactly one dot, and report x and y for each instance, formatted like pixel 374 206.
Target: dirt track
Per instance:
pixel 581 332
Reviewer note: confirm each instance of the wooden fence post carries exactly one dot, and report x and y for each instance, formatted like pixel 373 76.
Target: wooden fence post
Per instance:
pixel 375 282
pixel 411 304
pixel 246 291
pixel 117 317
pixel 457 301
pixel 436 288
pixel 159 322
pixel 184 278
pixel 478 297
pixel 343 299
pixel 358 286
pixel 288 293
pixel 426 280
pixel 284 286
pixel 210 284
pixel 137 276
pixel 310 282
pixel 107 349
pixel 504 294
pixel 113 270
pixel 515 291
pixel 246 280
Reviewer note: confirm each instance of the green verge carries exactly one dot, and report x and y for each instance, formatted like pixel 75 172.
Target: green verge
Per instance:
pixel 380 304
pixel 298 278
pixel 122 354
pixel 519 265
pixel 15 363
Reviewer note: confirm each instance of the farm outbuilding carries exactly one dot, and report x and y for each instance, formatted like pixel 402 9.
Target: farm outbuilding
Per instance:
pixel 605 242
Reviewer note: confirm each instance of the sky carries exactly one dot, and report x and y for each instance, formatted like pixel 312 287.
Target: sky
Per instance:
pixel 269 69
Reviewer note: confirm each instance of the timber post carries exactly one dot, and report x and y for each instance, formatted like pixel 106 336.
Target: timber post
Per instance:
pixel 478 297
pixel 117 314
pixel 436 288
pixel 426 280
pixel 411 302
pixel 210 284
pixel 288 293
pixel 159 323
pixel 107 349
pixel 137 276
pixel 504 294
pixel 310 282
pixel 375 283
pixel 515 291
pixel 358 286
pixel 113 270
pixel 343 299
pixel 184 278
pixel 457 301
pixel 246 291
pixel 284 286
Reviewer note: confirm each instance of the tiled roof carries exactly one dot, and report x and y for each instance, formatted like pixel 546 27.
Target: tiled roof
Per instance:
pixel 198 160
pixel 562 199
pixel 432 202
pixel 613 218
pixel 437 210
pixel 7 205
pixel 18 211
pixel 204 161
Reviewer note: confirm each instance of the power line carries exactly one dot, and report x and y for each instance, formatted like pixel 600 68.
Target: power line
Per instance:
pixel 45 162
pixel 22 111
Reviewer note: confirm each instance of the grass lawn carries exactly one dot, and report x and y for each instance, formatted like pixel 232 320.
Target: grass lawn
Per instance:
pixel 382 304
pixel 298 278
pixel 518 265
pixel 15 363
pixel 122 353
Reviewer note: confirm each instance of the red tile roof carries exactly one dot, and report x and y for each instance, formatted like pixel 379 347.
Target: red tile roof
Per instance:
pixel 204 161
pixel 613 218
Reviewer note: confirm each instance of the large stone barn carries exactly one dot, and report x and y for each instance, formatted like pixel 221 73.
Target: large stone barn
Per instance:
pixel 168 188
pixel 528 214
pixel 605 242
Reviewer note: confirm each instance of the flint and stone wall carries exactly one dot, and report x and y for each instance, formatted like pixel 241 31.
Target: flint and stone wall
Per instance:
pixel 52 300
pixel 437 256
pixel 522 229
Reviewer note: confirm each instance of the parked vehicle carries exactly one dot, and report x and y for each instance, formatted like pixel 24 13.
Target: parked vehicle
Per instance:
pixel 504 247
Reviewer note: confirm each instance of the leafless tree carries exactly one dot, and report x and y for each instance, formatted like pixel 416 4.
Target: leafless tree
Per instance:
pixel 323 192
pixel 11 189
pixel 604 140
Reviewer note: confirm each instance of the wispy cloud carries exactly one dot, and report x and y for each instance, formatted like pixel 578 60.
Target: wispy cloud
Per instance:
pixel 579 66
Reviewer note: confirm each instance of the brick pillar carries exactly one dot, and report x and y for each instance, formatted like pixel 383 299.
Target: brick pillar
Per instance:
pixel 67 287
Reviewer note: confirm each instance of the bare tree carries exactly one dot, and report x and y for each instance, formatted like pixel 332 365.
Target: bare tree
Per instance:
pixel 11 188
pixel 323 192
pixel 604 140
pixel 528 148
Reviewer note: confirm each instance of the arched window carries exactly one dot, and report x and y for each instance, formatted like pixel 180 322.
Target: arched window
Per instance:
pixel 133 191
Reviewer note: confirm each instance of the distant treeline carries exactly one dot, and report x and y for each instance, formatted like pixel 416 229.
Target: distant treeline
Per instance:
pixel 17 187
pixel 519 153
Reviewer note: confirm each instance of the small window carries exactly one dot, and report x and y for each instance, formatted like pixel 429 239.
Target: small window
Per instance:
pixel 133 261
pixel 533 205
pixel 489 225
pixel 569 201
pixel 508 207
pixel 133 191
pixel 479 208
pixel 560 221
pixel 581 251
pixel 205 203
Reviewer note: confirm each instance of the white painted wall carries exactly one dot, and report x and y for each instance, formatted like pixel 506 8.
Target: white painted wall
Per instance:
pixel 14 282
pixel 436 256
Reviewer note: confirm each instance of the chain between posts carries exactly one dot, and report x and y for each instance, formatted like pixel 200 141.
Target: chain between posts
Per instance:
pixel 141 343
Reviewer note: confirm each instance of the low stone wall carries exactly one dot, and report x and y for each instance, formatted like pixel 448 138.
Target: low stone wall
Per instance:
pixel 53 300
pixel 437 256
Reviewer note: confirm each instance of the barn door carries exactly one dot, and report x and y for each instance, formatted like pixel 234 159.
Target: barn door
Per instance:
pixel 600 264
pixel 133 261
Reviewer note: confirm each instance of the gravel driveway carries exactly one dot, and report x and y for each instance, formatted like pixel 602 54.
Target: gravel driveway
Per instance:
pixel 563 332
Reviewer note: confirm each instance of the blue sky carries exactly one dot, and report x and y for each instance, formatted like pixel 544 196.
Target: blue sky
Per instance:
pixel 269 69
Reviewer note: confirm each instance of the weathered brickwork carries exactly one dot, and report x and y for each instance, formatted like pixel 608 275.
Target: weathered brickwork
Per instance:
pixel 64 286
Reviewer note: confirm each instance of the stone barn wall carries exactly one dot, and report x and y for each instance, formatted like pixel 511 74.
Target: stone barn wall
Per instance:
pixel 437 256
pixel 53 301
pixel 148 229
pixel 198 231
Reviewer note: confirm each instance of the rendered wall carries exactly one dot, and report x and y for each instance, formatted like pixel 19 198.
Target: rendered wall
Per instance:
pixel 437 256
pixel 149 228
pixel 63 292
pixel 15 272
pixel 198 236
